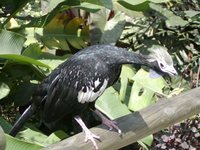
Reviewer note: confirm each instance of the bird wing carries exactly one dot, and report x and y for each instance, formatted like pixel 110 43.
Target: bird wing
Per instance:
pixel 72 84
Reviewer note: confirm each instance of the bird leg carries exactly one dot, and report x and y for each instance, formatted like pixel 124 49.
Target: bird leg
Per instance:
pixel 88 134
pixel 109 123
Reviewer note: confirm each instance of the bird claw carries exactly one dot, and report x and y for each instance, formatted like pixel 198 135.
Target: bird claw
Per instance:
pixel 90 136
pixel 111 124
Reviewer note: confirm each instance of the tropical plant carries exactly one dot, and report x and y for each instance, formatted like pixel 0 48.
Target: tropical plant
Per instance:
pixel 36 36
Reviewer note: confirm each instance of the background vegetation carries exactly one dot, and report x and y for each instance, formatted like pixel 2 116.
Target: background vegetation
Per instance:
pixel 36 36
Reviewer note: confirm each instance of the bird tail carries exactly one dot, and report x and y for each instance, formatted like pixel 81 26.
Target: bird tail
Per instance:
pixel 23 118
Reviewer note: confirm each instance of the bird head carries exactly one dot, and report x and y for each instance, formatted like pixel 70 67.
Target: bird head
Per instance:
pixel 164 61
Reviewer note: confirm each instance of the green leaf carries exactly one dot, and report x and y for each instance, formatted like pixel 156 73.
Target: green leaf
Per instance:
pixel 11 42
pixel 38 138
pixel 191 13
pixel 107 3
pixel 146 141
pixel 135 5
pixel 49 5
pixel 23 60
pixel 126 74
pixel 89 7
pixel 52 62
pixel 33 136
pixel 55 137
pixel 171 19
pixel 5 125
pixel 99 20
pixel 16 144
pixel 4 90
pixel 159 1
pixel 129 9
pixel 113 29
pixel 137 2
pixel 33 51
pixel 31 33
pixel 143 90
pixel 2 139
pixel 133 2
pixel 109 103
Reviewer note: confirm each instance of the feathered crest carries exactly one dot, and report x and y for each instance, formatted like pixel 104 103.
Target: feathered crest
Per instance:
pixel 158 52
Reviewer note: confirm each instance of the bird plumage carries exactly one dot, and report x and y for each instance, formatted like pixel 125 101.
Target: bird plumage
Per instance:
pixel 81 79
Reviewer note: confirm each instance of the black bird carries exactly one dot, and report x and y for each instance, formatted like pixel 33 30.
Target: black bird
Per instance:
pixel 82 79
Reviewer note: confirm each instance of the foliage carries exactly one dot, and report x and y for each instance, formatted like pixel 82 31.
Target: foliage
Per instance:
pixel 36 36
pixel 2 139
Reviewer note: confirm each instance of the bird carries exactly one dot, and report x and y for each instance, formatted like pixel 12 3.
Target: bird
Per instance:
pixel 82 78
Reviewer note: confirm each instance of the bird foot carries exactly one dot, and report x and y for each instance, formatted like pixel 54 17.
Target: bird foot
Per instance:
pixel 91 136
pixel 88 134
pixel 109 123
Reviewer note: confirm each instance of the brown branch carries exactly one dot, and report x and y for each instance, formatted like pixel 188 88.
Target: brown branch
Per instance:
pixel 139 124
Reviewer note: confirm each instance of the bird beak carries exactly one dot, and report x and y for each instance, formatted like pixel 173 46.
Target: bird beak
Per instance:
pixel 172 71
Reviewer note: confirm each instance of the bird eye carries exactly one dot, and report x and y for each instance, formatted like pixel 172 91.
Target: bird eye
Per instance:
pixel 161 65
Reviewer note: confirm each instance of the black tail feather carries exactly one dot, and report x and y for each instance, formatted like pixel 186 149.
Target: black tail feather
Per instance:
pixel 23 118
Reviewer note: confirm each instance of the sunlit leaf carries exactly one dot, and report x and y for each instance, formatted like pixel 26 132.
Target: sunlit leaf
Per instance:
pixel 107 3
pixel 49 5
pixel 191 13
pixel 95 5
pixel 98 26
pixel 11 42
pixel 89 7
pixel 33 136
pixel 16 144
pixel 147 141
pixel 52 62
pixel 126 74
pixel 23 60
pixel 55 137
pixel 170 18
pixel 110 104
pixel 143 90
pixel 128 9
pixel 33 51
pixel 113 29
pixel 4 90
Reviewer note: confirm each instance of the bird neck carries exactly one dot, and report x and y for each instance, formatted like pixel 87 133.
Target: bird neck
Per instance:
pixel 135 58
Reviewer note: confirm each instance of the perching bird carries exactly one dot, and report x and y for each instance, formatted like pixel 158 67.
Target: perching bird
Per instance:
pixel 82 79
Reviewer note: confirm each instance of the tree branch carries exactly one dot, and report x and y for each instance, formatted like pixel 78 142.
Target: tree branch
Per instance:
pixel 139 124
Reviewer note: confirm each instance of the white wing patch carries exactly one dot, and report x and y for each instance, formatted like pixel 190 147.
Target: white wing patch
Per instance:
pixel 96 83
pixel 90 95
